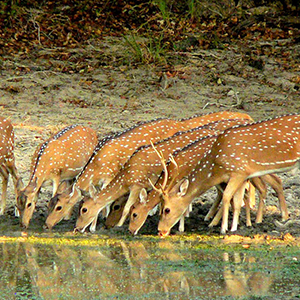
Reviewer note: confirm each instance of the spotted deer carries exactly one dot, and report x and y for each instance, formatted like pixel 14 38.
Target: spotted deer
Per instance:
pixel 180 164
pixel 118 206
pixel 7 160
pixel 113 151
pixel 143 165
pixel 108 158
pixel 239 154
pixel 58 159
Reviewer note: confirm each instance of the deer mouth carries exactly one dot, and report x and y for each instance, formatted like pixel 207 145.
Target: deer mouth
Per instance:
pixel 134 232
pixel 80 230
pixel 163 233
pixel 23 225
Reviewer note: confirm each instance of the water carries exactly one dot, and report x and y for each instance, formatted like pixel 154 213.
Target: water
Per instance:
pixel 105 268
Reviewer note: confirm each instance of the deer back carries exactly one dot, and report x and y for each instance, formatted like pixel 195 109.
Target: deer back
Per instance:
pixel 112 154
pixel 63 155
pixel 267 146
pixel 200 120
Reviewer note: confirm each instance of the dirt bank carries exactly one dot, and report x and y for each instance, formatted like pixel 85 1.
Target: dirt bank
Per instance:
pixel 40 99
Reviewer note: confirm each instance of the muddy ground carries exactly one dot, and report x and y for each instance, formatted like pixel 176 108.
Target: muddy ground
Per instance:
pixel 41 96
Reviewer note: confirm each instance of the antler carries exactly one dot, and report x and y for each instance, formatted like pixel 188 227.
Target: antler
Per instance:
pixel 172 160
pixel 163 162
pixel 166 175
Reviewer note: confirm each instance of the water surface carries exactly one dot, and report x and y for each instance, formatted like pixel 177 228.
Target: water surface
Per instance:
pixel 145 268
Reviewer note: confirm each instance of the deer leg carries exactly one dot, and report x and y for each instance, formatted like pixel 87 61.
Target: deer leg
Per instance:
pixel 18 183
pixel 133 196
pixel 249 200
pixel 262 189
pixel 11 168
pixel 190 208
pixel 219 213
pixel 185 215
pixel 276 185
pixel 233 185
pixel 218 216
pixel 237 204
pixel 251 195
pixel 214 207
pixel 181 224
pixel 4 174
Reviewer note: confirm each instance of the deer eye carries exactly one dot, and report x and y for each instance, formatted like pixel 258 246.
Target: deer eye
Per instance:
pixel 116 207
pixel 58 208
pixel 84 210
pixel 134 215
pixel 28 205
pixel 167 211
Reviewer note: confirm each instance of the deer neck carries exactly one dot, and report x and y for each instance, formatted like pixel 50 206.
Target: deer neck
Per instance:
pixel 108 195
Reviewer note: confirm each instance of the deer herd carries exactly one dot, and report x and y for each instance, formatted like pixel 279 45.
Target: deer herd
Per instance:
pixel 161 165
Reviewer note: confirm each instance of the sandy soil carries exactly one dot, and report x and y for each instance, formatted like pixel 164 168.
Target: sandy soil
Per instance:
pixel 40 97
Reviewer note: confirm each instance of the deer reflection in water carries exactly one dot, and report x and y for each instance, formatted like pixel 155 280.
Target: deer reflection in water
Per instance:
pixel 133 268
pixel 239 281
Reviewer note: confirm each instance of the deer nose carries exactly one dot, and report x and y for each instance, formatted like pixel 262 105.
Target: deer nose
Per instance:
pixel 77 229
pixel 163 234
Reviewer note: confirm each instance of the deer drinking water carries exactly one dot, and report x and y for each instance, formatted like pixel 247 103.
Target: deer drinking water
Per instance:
pixel 60 158
pixel 144 164
pixel 7 160
pixel 108 158
pixel 117 209
pixel 180 164
pixel 239 154
pixel 113 152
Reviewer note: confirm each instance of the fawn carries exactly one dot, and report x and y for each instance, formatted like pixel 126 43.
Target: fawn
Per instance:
pixel 113 152
pixel 143 165
pixel 239 154
pixel 7 160
pixel 58 159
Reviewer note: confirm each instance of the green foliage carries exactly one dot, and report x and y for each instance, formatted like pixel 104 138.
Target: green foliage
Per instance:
pixel 163 8
pixel 151 28
pixel 146 50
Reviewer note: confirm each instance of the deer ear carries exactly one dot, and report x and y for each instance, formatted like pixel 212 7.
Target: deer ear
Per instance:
pixel 74 191
pixel 20 184
pixel 64 185
pixel 183 187
pixel 77 190
pixel 143 196
pixel 92 190
pixel 34 183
